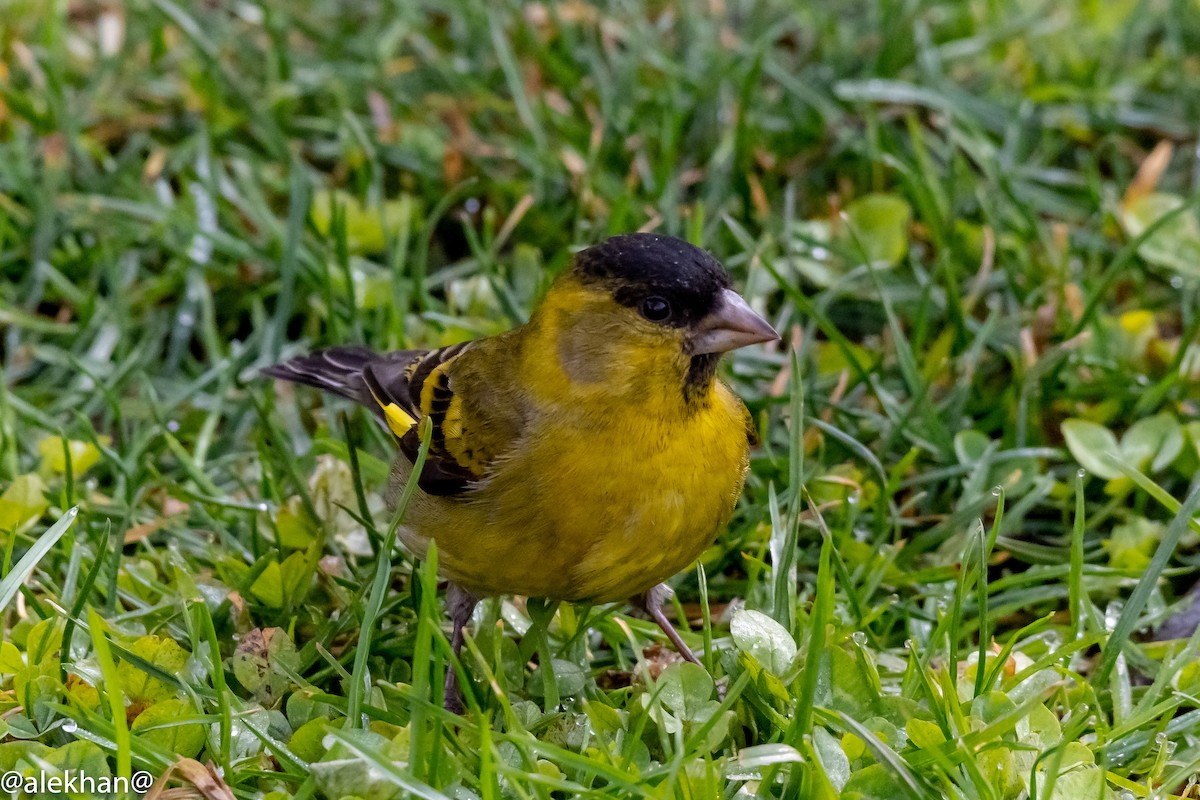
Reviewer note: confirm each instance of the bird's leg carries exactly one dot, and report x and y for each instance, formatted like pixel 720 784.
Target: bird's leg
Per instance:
pixel 652 601
pixel 460 604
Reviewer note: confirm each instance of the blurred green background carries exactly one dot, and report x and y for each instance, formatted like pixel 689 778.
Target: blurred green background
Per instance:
pixel 975 221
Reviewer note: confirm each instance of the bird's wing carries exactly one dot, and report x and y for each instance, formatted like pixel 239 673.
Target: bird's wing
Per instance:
pixel 751 427
pixel 462 389
pixel 453 387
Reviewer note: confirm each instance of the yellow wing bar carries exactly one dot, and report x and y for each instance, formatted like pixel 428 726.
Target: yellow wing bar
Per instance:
pixel 399 420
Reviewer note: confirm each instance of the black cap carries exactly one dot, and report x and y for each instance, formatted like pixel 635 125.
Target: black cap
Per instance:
pixel 637 266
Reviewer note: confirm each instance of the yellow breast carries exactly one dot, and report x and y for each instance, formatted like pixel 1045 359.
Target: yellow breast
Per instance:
pixel 597 512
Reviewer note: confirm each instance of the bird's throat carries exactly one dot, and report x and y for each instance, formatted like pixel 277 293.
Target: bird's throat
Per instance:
pixel 698 382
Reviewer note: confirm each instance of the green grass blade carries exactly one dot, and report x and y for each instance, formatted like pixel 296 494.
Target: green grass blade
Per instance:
pixel 1131 615
pixel 11 583
pixel 379 585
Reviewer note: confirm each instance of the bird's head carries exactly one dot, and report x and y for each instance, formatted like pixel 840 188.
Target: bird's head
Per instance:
pixel 652 306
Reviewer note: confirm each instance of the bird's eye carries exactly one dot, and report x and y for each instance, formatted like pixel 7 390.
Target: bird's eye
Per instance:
pixel 655 309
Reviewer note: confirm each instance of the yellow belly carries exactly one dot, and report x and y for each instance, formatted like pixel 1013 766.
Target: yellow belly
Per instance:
pixel 594 509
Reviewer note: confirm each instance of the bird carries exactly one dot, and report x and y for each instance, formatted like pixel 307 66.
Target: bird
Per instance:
pixel 586 455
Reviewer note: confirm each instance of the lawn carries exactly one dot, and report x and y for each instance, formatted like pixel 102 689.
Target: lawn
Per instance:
pixel 962 561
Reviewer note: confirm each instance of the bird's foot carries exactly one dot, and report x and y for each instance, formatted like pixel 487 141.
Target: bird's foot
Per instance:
pixel 652 602
pixel 460 604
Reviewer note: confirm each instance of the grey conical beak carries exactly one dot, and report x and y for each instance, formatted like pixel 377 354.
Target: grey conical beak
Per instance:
pixel 730 325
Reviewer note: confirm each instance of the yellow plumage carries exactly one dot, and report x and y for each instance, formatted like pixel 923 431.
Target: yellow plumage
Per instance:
pixel 587 455
pixel 618 484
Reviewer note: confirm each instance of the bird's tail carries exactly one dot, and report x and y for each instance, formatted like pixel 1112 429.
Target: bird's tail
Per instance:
pixel 335 369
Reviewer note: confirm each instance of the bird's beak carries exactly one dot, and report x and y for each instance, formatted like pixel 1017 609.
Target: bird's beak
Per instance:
pixel 730 325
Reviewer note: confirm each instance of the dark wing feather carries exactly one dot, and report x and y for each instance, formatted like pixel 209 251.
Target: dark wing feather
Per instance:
pixel 751 427
pixel 416 382
pixel 336 369
pixel 421 387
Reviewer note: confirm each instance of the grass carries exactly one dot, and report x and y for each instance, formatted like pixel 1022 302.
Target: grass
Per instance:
pixel 976 223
